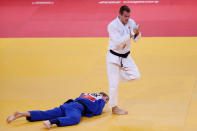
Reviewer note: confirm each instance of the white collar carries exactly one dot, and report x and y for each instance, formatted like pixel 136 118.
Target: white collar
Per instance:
pixel 120 22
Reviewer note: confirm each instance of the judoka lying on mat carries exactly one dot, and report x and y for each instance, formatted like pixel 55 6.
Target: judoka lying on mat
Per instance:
pixel 70 113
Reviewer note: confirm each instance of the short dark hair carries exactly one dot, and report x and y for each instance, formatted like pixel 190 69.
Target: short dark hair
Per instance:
pixel 124 8
pixel 104 94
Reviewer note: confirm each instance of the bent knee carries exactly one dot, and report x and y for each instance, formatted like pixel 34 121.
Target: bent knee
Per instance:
pixel 135 77
pixel 75 119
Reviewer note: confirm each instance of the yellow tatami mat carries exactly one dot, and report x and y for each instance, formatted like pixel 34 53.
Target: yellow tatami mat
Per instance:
pixel 41 73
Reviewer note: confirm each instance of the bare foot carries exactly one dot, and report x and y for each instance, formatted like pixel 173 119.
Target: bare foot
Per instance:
pixel 47 124
pixel 117 110
pixel 13 117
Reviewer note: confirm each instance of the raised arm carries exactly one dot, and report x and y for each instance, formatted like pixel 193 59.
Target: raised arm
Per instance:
pixel 136 31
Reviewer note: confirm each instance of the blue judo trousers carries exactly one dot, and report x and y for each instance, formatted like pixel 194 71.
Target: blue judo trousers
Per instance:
pixel 70 113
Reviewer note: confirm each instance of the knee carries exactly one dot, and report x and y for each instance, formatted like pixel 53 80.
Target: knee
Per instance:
pixel 135 77
pixel 75 119
pixel 68 121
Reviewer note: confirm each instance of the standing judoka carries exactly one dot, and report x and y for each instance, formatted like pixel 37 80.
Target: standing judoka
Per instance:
pixel 87 104
pixel 120 65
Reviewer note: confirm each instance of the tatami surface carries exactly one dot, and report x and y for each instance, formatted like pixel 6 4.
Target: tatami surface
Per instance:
pixel 41 73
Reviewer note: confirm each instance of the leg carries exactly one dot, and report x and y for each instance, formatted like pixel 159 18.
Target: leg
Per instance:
pixel 73 116
pixel 129 71
pixel 17 115
pixel 37 115
pixel 113 76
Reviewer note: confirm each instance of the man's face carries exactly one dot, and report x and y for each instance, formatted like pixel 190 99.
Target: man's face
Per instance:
pixel 124 17
pixel 105 98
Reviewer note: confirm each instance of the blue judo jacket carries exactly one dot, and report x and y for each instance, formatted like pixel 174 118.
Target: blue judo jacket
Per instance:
pixel 93 102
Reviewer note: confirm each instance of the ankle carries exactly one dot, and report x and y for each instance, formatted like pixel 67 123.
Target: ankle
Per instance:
pixel 115 108
pixel 26 114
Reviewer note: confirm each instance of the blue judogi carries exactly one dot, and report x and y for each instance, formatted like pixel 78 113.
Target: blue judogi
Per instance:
pixel 70 113
pixel 93 102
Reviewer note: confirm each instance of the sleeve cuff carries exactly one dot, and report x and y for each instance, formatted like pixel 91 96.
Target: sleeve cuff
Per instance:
pixel 137 37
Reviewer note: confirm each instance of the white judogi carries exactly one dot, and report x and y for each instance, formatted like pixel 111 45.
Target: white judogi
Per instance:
pixel 120 42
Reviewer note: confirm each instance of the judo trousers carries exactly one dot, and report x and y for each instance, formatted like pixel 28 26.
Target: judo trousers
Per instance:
pixel 118 70
pixel 67 114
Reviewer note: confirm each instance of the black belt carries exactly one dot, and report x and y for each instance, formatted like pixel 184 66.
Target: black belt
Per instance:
pixel 120 55
pixel 84 106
